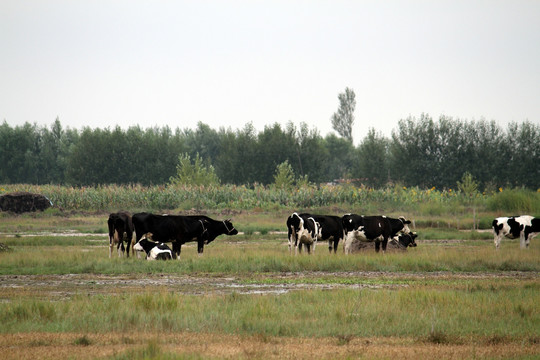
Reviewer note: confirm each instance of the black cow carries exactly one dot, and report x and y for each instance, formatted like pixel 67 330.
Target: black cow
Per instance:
pixel 366 228
pixel 153 250
pixel 181 229
pixel 525 227
pixel 330 228
pixel 302 230
pixel 120 229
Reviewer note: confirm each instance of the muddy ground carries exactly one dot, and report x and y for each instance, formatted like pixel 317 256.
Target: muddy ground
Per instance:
pixel 58 287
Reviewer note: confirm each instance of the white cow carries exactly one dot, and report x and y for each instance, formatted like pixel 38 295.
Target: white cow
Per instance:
pixel 525 227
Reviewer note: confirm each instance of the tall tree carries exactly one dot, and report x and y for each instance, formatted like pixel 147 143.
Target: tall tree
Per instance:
pixel 343 119
pixel 372 163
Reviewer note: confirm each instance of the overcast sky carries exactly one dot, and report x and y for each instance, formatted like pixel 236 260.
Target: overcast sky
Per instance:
pixel 227 63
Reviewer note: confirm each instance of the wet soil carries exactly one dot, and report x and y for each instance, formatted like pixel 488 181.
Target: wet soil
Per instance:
pixel 60 287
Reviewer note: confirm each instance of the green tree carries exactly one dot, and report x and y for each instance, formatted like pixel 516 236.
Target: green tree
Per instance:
pixel 196 173
pixel 274 147
pixel 284 176
pixel 343 119
pixel 372 162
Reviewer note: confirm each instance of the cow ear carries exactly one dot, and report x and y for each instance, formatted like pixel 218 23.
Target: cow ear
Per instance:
pixel 407 221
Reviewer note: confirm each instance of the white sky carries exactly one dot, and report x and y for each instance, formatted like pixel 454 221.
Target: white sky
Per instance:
pixel 102 63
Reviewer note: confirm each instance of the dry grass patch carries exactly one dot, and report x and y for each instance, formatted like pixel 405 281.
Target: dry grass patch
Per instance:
pixel 37 346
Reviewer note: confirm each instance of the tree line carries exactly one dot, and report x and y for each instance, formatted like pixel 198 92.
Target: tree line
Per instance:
pixel 420 152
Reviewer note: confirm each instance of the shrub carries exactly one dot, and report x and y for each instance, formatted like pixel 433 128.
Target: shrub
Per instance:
pixel 515 202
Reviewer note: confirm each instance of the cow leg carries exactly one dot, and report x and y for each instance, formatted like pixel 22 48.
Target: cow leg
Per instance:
pixel 177 249
pixel 110 246
pixel 308 248
pixel 200 247
pixel 384 243
pixel 497 241
pixel 522 240
pixel 120 249
pixel 124 237
pixel 377 245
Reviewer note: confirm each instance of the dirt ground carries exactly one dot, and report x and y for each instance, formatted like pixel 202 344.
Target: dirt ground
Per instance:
pixel 59 287
pixel 36 346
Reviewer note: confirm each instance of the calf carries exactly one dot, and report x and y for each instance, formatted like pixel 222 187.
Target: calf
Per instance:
pixel 404 241
pixel 153 250
pixel 120 229
pixel 525 227
pixel 302 230
pixel 366 228
pixel 330 228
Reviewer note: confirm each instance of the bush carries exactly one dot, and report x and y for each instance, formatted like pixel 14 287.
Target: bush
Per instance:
pixel 515 202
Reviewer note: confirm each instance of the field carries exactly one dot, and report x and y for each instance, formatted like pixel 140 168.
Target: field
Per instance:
pixel 246 297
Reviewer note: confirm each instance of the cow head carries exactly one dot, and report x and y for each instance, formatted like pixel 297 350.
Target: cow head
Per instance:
pixel 144 244
pixel 229 227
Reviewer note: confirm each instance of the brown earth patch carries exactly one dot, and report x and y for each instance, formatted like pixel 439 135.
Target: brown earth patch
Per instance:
pixel 36 346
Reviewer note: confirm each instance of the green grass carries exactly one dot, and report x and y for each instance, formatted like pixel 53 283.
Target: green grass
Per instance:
pixel 506 309
pixel 260 254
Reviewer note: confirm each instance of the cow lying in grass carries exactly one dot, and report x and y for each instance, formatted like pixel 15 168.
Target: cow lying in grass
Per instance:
pixel 153 250
pixel 403 241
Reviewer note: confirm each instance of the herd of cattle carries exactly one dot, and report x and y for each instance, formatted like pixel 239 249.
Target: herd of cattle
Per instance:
pixel 152 232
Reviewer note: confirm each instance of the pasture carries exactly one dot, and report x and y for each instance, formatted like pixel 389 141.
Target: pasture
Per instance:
pixel 246 297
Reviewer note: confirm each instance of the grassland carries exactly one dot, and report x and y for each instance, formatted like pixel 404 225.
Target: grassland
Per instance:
pixel 453 296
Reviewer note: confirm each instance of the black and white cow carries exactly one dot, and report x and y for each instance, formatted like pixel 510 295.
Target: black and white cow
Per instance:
pixel 404 241
pixel 330 229
pixel 181 229
pixel 302 230
pixel 120 230
pixel 367 229
pixel 525 227
pixel 153 250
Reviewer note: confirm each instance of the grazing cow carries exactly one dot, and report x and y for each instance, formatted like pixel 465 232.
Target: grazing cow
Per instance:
pixel 181 229
pixel 404 241
pixel 153 250
pixel 367 229
pixel 120 229
pixel 525 227
pixel 330 229
pixel 303 230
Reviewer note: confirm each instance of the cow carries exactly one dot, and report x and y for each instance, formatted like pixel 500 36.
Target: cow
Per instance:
pixel 302 230
pixel 330 228
pixel 403 241
pixel 120 229
pixel 180 229
pixel 153 250
pixel 366 228
pixel 525 227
